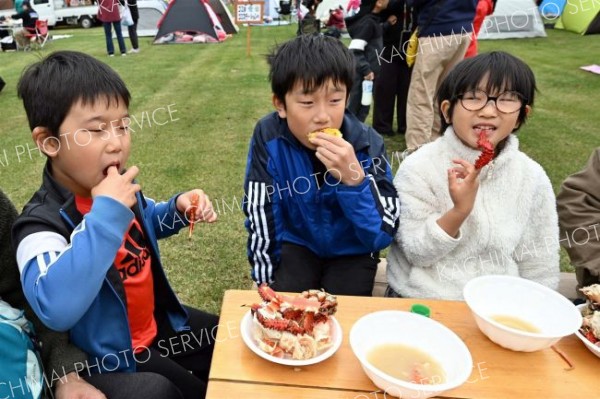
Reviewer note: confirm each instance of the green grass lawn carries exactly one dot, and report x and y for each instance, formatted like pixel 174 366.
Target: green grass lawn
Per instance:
pixel 216 94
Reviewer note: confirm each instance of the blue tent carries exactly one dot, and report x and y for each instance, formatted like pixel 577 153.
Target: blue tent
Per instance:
pixel 552 9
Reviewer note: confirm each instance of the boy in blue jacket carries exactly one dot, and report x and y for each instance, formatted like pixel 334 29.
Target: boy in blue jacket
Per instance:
pixel 87 240
pixel 318 207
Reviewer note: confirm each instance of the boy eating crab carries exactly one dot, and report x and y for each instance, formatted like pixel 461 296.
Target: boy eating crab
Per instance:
pixel 87 240
pixel 319 207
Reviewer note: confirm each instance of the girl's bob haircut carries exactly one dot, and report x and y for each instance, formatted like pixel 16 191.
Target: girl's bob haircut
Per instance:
pixel 498 71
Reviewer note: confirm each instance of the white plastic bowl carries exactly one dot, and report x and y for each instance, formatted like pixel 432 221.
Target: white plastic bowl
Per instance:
pixel 420 332
pixel 593 348
pixel 553 314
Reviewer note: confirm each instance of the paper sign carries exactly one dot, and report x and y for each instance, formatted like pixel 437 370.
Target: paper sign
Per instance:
pixel 249 12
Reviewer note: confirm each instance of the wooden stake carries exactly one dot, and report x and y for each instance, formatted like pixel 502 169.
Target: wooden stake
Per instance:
pixel 248 48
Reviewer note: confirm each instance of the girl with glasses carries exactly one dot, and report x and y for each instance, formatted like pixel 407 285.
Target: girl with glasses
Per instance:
pixel 458 222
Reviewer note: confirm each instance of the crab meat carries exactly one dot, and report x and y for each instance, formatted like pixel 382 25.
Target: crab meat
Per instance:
pixel 592 292
pixel 305 348
pixel 299 325
pixel 594 323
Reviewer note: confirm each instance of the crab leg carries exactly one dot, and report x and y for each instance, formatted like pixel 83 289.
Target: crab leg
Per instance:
pixel 191 212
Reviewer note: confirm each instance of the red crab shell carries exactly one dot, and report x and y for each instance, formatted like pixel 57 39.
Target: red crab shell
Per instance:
pixel 487 151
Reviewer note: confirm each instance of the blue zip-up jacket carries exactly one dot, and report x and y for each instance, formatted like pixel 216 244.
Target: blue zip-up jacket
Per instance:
pixel 286 203
pixel 67 272
pixel 452 17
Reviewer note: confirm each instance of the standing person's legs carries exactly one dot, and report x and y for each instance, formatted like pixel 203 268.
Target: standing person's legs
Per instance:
pixel 384 97
pixel 108 36
pixel 420 109
pixel 451 53
pixel 119 34
pixel 354 98
pixel 300 269
pixel 134 385
pixel 350 275
pixel 20 39
pixel 402 83
pixel 133 37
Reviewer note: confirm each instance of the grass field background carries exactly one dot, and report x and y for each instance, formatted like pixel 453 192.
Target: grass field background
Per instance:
pixel 216 94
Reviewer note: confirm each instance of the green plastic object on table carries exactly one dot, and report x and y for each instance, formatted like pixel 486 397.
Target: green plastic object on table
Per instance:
pixel 420 309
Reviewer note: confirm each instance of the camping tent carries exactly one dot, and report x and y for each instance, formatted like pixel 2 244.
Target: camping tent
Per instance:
pixel 225 16
pixel 580 17
pixel 189 21
pixel 551 9
pixel 513 19
pixel 150 15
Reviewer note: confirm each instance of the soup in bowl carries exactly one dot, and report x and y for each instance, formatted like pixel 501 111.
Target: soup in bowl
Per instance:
pixel 520 314
pixel 409 355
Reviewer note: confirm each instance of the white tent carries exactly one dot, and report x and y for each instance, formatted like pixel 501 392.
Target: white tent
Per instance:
pixel 513 19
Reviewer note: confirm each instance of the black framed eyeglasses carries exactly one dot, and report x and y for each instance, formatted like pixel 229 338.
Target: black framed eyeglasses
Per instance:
pixel 508 102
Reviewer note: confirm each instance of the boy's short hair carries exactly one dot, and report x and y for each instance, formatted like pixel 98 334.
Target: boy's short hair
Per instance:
pixel 311 60
pixel 503 71
pixel 50 87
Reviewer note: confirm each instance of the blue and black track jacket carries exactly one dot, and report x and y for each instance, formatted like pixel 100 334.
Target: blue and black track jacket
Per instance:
pixel 286 200
pixel 67 272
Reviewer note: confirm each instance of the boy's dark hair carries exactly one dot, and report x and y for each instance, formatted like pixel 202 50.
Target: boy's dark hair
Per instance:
pixel 503 71
pixel 311 60
pixel 50 87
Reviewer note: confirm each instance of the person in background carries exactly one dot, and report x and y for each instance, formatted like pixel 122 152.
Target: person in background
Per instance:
pixel 335 24
pixel 109 15
pixel 391 86
pixel 484 8
pixel 309 24
pixel 29 17
pixel 132 29
pixel 366 33
pixel 445 28
pixel 579 211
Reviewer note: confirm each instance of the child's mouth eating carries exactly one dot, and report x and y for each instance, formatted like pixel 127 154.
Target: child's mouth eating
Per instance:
pixel 116 164
pixel 486 129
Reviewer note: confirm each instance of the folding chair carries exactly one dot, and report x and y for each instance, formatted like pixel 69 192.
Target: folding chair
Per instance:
pixel 39 35
pixel 42 32
pixel 285 8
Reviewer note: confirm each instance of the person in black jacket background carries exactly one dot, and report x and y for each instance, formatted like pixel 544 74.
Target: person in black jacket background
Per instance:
pixel 132 30
pixel 367 42
pixel 391 85
pixel 29 17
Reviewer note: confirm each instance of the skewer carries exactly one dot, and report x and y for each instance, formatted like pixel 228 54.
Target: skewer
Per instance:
pixel 195 200
pixel 565 358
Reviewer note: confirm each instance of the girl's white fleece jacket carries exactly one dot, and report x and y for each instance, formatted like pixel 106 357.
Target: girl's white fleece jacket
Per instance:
pixel 512 230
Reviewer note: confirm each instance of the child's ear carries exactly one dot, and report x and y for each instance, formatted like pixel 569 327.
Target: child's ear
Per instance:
pixel 44 140
pixel 528 111
pixel 444 107
pixel 279 106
